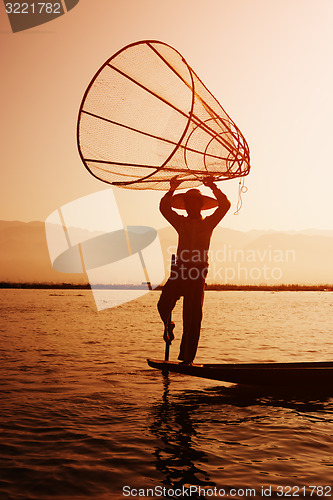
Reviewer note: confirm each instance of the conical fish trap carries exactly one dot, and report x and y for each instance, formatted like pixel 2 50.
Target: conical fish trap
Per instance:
pixel 146 117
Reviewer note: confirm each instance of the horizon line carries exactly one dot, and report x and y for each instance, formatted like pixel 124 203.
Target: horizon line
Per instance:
pixel 271 230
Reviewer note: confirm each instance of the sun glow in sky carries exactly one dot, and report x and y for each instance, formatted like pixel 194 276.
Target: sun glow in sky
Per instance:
pixel 268 63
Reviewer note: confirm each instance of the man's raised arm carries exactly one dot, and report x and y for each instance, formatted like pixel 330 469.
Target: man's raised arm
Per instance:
pixel 166 207
pixel 223 203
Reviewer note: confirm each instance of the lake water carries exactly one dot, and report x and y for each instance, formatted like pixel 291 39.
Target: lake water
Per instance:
pixel 83 416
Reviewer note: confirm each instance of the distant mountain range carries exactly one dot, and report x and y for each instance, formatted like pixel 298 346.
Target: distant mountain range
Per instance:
pixel 253 257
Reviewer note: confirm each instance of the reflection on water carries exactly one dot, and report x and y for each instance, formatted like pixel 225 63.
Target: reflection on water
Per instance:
pixel 244 422
pixel 175 456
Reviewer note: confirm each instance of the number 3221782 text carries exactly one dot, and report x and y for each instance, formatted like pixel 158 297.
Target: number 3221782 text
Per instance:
pixel 33 8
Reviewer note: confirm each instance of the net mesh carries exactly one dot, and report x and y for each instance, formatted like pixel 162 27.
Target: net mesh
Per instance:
pixel 146 117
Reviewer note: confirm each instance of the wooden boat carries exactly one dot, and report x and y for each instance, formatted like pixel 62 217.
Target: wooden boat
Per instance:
pixel 262 374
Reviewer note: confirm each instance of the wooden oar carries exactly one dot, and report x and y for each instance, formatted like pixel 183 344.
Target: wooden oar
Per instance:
pixel 167 350
pixel 167 345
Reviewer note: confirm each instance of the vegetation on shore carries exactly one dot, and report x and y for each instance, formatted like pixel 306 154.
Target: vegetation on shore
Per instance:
pixel 215 287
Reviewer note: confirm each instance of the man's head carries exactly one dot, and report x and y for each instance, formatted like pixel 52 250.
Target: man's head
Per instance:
pixel 193 201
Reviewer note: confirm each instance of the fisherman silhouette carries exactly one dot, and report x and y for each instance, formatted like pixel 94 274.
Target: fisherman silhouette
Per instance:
pixel 188 274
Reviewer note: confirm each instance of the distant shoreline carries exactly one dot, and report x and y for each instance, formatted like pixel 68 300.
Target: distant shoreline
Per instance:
pixel 209 287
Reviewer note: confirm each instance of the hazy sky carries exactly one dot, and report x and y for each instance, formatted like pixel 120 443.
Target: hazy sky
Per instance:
pixel 268 62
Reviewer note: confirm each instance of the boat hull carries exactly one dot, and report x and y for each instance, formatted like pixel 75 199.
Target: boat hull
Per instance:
pixel 263 374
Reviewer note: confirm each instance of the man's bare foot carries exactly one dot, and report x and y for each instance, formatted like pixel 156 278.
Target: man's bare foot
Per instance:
pixel 166 336
pixel 171 327
pixel 168 332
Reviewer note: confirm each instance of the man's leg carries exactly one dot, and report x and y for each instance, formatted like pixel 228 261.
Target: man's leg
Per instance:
pixel 192 316
pixel 169 296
